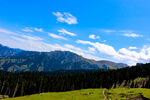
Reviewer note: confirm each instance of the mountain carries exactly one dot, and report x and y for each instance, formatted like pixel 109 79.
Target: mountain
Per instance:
pixel 6 51
pixel 45 61
pixel 14 60
pixel 111 64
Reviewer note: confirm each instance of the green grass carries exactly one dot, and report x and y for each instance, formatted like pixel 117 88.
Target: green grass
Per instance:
pixel 88 94
pixel 123 93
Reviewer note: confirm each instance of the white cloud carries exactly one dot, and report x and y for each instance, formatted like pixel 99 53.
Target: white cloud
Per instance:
pixel 84 42
pixel 108 31
pixel 7 32
pixel 64 31
pixel 92 36
pixel 76 48
pixel 92 50
pixel 56 36
pixel 118 31
pixel 38 29
pixel 30 29
pixel 132 48
pixel 84 53
pixel 123 54
pixel 33 45
pixel 65 17
pixel 103 48
pixel 27 29
pixel 32 37
pixel 72 47
pixel 104 40
pixel 127 33
pixel 18 39
pixel 132 35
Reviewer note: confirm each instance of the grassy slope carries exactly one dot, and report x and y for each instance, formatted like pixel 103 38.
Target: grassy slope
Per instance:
pixel 124 93
pixel 88 94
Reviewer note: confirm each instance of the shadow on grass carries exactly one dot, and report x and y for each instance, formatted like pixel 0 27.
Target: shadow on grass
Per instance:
pixel 140 97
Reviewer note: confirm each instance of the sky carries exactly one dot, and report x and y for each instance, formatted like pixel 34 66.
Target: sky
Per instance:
pixel 115 30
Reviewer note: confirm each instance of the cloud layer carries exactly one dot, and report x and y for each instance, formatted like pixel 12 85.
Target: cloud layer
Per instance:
pixel 123 54
pixel 34 43
pixel 30 29
pixel 92 50
pixel 7 32
pixel 132 35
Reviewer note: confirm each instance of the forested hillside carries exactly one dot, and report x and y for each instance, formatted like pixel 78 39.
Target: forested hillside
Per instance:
pixel 14 60
pixel 26 83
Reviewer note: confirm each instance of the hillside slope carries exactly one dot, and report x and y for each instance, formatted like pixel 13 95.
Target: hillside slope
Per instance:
pixel 111 64
pixel 87 94
pixel 6 51
pixel 18 60
pixel 91 94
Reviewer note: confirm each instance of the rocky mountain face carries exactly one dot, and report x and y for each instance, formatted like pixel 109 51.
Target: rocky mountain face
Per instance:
pixel 6 51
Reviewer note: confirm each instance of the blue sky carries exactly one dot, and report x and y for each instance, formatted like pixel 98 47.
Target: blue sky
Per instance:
pixel 116 30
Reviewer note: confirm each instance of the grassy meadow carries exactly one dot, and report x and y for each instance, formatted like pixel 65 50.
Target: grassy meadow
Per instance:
pixel 124 93
pixel 89 94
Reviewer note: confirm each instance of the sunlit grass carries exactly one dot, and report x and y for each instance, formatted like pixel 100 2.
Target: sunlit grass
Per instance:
pixel 87 94
pixel 123 93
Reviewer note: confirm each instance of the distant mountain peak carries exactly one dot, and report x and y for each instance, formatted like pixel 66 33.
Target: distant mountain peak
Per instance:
pixel 6 51
pixel 19 60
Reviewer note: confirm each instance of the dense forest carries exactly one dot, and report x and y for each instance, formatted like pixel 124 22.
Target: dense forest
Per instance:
pixel 25 83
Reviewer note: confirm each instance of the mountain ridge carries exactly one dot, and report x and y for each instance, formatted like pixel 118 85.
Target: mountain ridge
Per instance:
pixel 20 60
pixel 6 51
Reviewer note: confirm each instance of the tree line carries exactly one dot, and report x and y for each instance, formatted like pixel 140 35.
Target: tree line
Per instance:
pixel 26 83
